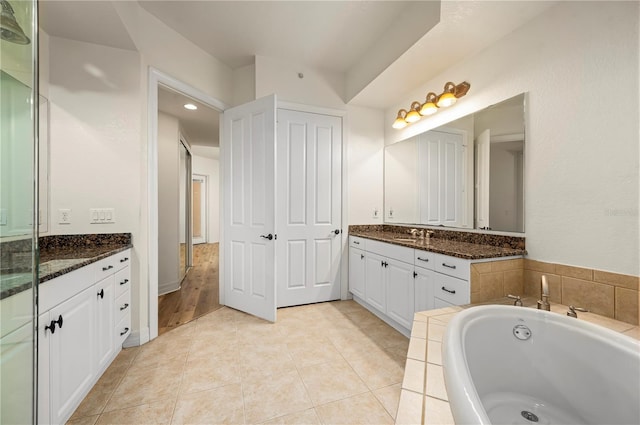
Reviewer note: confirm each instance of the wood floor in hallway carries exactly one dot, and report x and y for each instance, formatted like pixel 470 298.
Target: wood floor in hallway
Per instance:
pixel 198 295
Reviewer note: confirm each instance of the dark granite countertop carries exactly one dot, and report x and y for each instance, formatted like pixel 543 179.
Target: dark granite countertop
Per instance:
pixel 453 248
pixel 63 254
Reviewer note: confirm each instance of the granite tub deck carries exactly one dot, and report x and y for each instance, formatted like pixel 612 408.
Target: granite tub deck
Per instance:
pixel 466 245
pixel 63 254
pixel 423 397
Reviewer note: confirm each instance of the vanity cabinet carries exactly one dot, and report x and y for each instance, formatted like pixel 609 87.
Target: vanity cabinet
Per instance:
pixel 451 281
pixel 394 281
pixel 72 348
pixel 78 333
pixel 356 266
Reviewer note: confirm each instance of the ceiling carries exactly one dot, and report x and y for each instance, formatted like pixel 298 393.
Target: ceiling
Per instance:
pixel 201 127
pixel 329 35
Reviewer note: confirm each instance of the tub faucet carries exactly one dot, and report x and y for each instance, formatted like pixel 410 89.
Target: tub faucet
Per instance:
pixel 543 303
pixel 517 301
pixel 573 311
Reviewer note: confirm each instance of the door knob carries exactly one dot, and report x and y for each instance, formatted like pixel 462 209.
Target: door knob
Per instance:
pixel 337 231
pixel 269 236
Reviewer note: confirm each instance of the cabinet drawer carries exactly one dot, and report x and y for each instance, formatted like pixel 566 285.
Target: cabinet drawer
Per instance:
pixel 452 266
pixel 123 281
pixel 451 290
pixel 123 306
pixel 122 259
pixel 424 259
pixel 388 250
pixel 123 329
pixel 357 242
pixel 104 268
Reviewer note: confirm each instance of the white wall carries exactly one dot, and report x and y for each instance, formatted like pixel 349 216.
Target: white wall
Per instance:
pixel 168 203
pixel 94 135
pixel 581 170
pixel 210 167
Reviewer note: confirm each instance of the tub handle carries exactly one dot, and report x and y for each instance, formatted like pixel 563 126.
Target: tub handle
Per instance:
pixel 448 290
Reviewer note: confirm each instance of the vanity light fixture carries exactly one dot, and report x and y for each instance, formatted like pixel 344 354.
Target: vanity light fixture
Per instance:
pixel 413 115
pixel 190 106
pixel 400 120
pixel 429 107
pixel 432 102
pixel 447 98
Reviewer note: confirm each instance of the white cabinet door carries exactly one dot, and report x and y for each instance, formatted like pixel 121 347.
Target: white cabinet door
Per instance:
pixel 105 322
pixel 374 287
pixel 424 293
pixel 400 291
pixel 309 207
pixel 72 349
pixel 356 272
pixel 44 337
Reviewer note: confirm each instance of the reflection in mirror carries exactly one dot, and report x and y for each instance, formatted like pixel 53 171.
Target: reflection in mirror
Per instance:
pixel 466 174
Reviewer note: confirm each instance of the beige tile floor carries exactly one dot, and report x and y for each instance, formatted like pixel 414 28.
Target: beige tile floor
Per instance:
pixel 329 363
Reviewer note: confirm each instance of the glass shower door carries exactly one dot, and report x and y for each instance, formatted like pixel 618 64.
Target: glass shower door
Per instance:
pixel 18 211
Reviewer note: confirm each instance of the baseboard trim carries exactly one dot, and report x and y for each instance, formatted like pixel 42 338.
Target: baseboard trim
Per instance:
pixel 166 288
pixel 136 338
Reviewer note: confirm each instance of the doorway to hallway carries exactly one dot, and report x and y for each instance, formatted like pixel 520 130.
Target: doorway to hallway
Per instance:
pixel 199 292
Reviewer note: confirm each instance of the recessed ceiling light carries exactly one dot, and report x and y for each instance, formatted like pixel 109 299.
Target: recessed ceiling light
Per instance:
pixel 190 106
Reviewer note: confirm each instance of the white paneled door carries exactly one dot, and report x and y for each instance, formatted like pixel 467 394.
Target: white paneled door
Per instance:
pixel 249 228
pixel 309 208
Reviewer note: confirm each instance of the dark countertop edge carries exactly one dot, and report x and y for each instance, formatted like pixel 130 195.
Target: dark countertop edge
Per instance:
pixel 42 279
pixel 494 251
pixel 91 260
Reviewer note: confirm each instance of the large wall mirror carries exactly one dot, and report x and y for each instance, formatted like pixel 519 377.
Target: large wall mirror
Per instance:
pixel 466 174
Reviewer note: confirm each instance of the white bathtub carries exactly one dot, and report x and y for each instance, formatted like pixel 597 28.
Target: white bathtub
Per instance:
pixel 567 371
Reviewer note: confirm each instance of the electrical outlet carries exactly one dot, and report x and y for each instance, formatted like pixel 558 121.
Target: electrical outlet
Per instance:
pixel 375 213
pixel 64 216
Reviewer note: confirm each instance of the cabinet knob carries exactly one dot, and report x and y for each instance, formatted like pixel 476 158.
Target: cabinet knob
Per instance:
pixel 124 282
pixel 124 307
pixel 52 325
pixel 415 274
pixel 101 293
pixel 124 331
pixel 362 256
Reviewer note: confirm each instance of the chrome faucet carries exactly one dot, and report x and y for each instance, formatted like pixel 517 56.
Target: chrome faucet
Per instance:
pixel 543 304
pixel 573 311
pixel 414 232
pixel 517 301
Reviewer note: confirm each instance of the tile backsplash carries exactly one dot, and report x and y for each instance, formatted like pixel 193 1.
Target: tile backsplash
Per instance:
pixel 608 294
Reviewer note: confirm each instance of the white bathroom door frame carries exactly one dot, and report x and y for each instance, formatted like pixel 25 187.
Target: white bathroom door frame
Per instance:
pixel 482 188
pixel 204 208
pixel 155 79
